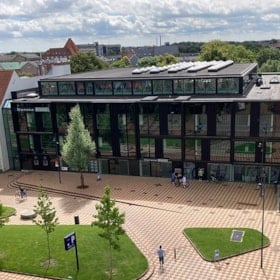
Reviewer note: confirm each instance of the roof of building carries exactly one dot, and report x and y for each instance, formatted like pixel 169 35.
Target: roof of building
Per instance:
pixel 5 78
pixel 69 49
pixel 232 70
pixel 12 65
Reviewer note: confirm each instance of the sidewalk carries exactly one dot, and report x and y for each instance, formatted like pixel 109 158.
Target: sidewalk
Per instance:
pixel 156 214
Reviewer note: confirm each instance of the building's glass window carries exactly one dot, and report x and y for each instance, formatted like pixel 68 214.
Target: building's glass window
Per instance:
pixel 193 149
pixel 122 88
pixel 61 117
pixel 127 131
pixel 205 86
pixel 49 88
pixel 269 120
pixel 242 119
pixel 228 85
pixel 223 119
pixel 89 88
pixel 142 87
pixel 172 148
pixel 147 147
pixel 25 144
pixel 104 130
pixel 220 171
pixel 244 151
pixel 272 155
pixel 162 87
pixel 149 119
pixel 220 150
pixel 87 112
pixel 183 86
pixel 196 120
pixel 46 121
pixel 174 119
pixel 66 88
pixel 103 88
pixel 80 88
pixel 48 144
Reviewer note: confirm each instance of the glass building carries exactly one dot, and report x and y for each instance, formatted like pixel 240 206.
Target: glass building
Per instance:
pixel 212 116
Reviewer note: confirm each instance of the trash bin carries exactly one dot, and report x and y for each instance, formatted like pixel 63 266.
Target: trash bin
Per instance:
pixel 77 220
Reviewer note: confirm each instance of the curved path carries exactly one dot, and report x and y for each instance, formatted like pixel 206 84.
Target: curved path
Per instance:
pixel 156 214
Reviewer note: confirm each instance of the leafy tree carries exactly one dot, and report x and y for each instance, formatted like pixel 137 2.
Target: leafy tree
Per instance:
pixel 110 221
pixel 78 148
pixel 3 220
pixel 158 60
pixel 270 66
pixel 166 59
pixel 147 61
pixel 47 216
pixel 266 54
pixel 121 63
pixel 86 61
pixel 218 50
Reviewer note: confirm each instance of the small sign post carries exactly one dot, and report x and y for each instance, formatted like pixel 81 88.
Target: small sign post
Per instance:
pixel 70 241
pixel 216 255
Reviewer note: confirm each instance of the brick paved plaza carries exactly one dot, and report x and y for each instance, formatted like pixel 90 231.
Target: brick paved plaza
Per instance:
pixel 156 214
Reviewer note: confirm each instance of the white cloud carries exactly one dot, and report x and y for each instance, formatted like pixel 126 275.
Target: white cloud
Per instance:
pixel 45 23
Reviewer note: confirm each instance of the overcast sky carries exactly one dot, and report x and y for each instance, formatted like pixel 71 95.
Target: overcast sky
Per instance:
pixel 36 25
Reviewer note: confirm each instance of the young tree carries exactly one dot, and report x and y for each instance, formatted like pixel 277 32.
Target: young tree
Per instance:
pixel 110 221
pixel 78 148
pixel 46 216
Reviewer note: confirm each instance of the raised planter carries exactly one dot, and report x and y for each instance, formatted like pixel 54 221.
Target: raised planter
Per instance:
pixel 27 214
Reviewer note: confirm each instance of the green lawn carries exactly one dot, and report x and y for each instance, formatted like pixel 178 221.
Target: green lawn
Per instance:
pixel 250 148
pixel 8 211
pixel 24 249
pixel 207 240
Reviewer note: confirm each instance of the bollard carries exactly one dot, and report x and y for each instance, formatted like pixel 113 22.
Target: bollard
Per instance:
pixel 76 219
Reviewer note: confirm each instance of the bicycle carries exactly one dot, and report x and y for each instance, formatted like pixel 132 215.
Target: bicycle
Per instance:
pixel 20 196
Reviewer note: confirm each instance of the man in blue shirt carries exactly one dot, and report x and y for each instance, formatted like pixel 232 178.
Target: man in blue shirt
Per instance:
pixel 161 254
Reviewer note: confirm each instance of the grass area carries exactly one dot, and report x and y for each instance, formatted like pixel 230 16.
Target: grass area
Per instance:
pixel 8 211
pixel 24 249
pixel 207 240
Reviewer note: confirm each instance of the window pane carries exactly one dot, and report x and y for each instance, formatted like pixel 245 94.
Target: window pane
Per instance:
pixel 122 88
pixel 66 88
pixel 103 88
pixel 147 146
pixel 184 87
pixel 220 150
pixel 142 87
pixel 228 85
pixel 49 88
pixel 205 86
pixel 244 151
pixel 172 148
pixel 193 149
pixel 242 119
pixel 161 87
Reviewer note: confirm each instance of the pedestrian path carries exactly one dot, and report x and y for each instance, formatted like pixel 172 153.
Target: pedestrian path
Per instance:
pixel 156 214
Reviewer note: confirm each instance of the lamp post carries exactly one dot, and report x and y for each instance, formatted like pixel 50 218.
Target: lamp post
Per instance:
pixel 57 162
pixel 261 186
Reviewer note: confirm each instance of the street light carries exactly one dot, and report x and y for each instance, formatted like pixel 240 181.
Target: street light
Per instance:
pixel 57 161
pixel 261 187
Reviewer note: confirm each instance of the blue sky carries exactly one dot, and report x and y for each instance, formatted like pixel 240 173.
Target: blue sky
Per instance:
pixel 36 25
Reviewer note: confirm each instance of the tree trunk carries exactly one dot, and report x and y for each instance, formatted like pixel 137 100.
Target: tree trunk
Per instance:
pixel 82 180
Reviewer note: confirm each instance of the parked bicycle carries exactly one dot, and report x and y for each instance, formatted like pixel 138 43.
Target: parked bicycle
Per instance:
pixel 20 194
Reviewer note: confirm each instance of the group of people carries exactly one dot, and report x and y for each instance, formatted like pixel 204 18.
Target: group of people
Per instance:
pixel 178 179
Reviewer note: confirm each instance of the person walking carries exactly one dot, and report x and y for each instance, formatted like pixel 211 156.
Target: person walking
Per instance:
pixel 161 255
pixel 184 181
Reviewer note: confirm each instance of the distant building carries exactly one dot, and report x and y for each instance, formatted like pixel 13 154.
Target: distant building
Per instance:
pixel 61 55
